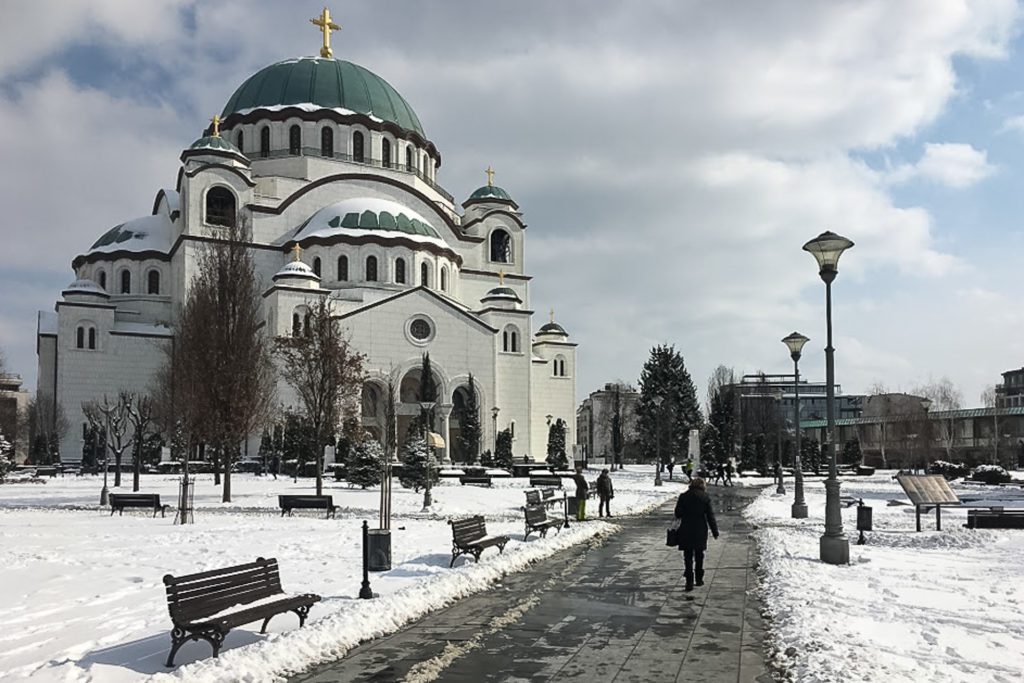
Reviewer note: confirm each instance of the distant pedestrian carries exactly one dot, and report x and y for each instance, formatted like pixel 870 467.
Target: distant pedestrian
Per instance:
pixel 671 466
pixel 695 515
pixel 275 465
pixel 689 469
pixel 729 468
pixel 605 493
pixel 582 487
pixel 719 476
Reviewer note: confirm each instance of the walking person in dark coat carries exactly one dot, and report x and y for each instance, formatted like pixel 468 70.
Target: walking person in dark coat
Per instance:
pixel 605 493
pixel 695 515
pixel 582 487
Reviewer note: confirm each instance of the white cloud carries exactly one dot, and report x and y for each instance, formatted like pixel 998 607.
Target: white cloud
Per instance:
pixel 954 165
pixel 1013 124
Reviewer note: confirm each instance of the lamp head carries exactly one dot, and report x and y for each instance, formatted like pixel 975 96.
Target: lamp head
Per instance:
pixel 657 400
pixel 826 249
pixel 795 343
pixel 495 410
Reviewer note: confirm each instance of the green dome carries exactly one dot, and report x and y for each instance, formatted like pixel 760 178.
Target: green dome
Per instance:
pixel 214 142
pixel 491 192
pixel 326 84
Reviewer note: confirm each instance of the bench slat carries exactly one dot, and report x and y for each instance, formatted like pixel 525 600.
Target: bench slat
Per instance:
pixel 205 596
pixel 186 578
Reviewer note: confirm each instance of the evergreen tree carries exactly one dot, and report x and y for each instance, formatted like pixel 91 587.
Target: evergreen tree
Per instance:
pixel 810 454
pixel 6 457
pixel 710 446
pixel 556 446
pixel 418 463
pixel 470 430
pixel 851 452
pixel 364 465
pixel 487 458
pixel 664 375
pixel 617 441
pixel 266 452
pixel 428 393
pixel 297 442
pixel 721 413
pixel 503 450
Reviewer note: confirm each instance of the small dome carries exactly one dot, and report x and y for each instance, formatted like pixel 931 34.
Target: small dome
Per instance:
pixel 491 192
pixel 502 293
pixel 313 83
pixel 363 215
pixel 296 270
pixel 149 233
pixel 552 328
pixel 215 142
pixel 84 287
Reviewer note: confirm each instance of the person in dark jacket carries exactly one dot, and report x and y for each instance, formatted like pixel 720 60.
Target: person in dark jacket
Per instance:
pixel 695 515
pixel 605 493
pixel 582 487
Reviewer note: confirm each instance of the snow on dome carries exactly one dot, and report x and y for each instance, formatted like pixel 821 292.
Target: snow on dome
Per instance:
pixel 553 328
pixel 149 233
pixel 368 216
pixel 215 142
pixel 296 270
pixel 82 286
pixel 502 293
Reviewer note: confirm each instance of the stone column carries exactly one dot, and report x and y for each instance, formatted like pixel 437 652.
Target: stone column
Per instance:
pixel 444 414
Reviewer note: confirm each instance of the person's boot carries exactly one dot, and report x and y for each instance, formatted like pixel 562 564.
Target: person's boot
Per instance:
pixel 700 579
pixel 689 582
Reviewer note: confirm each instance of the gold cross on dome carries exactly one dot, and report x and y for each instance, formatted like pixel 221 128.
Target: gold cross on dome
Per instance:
pixel 501 277
pixel 490 176
pixel 216 125
pixel 326 25
pixel 552 315
pixel 297 252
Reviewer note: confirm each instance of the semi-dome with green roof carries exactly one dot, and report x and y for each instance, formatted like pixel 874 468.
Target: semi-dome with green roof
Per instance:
pixel 323 83
pixel 215 142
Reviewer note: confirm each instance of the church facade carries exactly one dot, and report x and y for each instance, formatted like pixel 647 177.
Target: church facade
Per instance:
pixel 338 182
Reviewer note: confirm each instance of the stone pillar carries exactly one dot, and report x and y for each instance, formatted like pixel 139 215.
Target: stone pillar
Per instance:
pixel 444 414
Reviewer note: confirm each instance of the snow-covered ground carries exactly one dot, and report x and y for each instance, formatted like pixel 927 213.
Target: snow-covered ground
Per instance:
pixel 83 598
pixel 910 607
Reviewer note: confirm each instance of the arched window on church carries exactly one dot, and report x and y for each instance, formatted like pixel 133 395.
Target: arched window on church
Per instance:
pixel 559 366
pixel 220 206
pixel 316 266
pixel 409 165
pixel 357 147
pixel 444 279
pixel 385 153
pixel 126 281
pixel 424 275
pixel 153 282
pixel 510 339
pixel 240 141
pixel 426 166
pixel 343 268
pixel 92 338
pixel 501 247
pixel 327 141
pixel 296 325
pixel 371 268
pixel 80 338
pixel 400 271
pixel 295 140
pixel 265 142
pixel 103 279
pixel 300 321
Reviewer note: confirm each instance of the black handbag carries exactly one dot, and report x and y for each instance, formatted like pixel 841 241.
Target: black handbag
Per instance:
pixel 672 538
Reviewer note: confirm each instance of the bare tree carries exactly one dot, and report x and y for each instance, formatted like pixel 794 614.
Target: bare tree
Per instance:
pixel 878 395
pixel 44 425
pixel 326 374
pixel 945 397
pixel 140 413
pixel 117 423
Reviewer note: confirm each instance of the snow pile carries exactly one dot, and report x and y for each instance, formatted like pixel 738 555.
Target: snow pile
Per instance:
pixel 930 606
pixel 84 598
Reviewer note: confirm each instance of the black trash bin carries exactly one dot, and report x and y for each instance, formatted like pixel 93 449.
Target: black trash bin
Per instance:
pixel 863 521
pixel 378 546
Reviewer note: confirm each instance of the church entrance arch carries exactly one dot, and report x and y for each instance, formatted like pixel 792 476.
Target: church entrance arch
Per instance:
pixel 373 408
pixel 409 402
pixel 460 399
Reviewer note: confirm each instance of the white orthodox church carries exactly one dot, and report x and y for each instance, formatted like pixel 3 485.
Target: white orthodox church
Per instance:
pixel 339 182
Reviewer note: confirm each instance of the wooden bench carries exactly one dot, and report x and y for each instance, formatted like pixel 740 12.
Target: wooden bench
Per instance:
pixel 849 501
pixel 537 520
pixel 207 605
pixel 46 471
pixel 545 497
pixel 294 502
pixel 150 501
pixel 469 537
pixel 995 519
pixel 545 480
pixel 475 479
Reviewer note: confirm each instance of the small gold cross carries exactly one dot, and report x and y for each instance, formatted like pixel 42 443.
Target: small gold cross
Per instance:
pixel 501 277
pixel 216 125
pixel 326 25
pixel 490 176
pixel 552 315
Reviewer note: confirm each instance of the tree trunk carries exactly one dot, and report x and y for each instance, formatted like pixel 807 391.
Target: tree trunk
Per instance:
pixel 137 470
pixel 117 471
pixel 216 469
pixel 320 472
pixel 226 498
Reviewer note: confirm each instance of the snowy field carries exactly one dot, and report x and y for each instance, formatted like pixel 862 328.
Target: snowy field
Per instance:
pixel 83 598
pixel 910 607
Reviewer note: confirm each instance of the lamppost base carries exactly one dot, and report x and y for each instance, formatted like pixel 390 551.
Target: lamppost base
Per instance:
pixel 427 500
pixel 104 499
pixel 799 511
pixel 658 482
pixel 780 489
pixel 835 549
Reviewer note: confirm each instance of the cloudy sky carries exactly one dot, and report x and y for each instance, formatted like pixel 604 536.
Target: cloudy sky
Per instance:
pixel 670 157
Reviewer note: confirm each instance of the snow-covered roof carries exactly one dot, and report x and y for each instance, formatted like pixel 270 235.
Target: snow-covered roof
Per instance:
pixel 172 199
pixel 149 233
pixel 150 329
pixel 84 286
pixel 47 322
pixel 369 216
pixel 296 269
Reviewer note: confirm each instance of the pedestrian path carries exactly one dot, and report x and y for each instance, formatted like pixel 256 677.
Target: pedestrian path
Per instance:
pixel 613 610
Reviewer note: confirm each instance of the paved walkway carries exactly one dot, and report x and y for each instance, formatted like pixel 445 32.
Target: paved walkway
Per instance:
pixel 612 610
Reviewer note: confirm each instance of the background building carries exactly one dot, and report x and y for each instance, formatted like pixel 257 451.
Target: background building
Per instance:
pixel 594 420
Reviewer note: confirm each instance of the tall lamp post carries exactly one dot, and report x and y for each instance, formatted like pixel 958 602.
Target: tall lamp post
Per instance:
pixel 780 487
pixel 426 407
pixel 494 419
pixel 926 428
pixel 657 401
pixel 834 547
pixel 795 343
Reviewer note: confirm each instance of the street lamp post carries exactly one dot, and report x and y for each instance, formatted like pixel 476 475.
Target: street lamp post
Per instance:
pixel 104 492
pixel 834 547
pixel 795 342
pixel 780 488
pixel 926 428
pixel 494 418
pixel 426 407
pixel 657 400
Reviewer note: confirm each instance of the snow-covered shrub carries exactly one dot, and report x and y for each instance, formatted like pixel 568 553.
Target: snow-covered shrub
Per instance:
pixel 366 460
pixel 949 470
pixel 6 457
pixel 990 474
pixel 418 462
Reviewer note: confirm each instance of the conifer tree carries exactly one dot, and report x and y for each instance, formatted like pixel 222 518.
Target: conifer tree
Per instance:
pixel 417 463
pixel 428 393
pixel 366 458
pixel 470 430
pixel 503 450
pixel 6 457
pixel 665 375
pixel 487 458
pixel 556 445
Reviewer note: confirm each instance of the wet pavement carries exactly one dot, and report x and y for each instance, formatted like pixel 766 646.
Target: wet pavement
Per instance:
pixel 611 610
